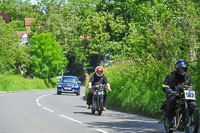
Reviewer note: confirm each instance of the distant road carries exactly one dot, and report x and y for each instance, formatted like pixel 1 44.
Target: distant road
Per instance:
pixel 47 112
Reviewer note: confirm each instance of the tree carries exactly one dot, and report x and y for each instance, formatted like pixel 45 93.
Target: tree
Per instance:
pixel 18 25
pixel 63 21
pixel 5 17
pixel 18 9
pixel 47 59
pixel 8 46
pixel 106 36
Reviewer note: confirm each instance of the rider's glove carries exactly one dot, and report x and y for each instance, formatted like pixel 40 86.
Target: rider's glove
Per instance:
pixel 170 91
pixel 89 87
pixel 180 87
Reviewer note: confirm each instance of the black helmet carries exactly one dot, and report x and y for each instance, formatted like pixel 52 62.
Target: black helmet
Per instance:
pixel 181 64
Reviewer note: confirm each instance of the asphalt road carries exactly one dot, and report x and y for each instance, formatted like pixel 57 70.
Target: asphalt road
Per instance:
pixel 47 112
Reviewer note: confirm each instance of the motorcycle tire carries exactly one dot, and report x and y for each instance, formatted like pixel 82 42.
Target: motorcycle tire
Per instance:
pixel 94 105
pixel 194 124
pixel 100 106
pixel 166 126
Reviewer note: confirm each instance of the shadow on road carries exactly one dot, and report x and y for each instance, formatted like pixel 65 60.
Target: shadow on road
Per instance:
pixel 125 123
pixel 127 126
pixel 66 94
pixel 81 106
pixel 85 113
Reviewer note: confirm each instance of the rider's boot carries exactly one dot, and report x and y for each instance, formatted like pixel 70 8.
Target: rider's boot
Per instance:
pixel 88 106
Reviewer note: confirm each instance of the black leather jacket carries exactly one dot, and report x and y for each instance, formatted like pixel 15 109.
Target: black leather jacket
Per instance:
pixel 173 79
pixel 94 79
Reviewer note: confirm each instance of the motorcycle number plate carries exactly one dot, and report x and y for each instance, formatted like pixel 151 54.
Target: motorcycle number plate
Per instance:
pixel 190 95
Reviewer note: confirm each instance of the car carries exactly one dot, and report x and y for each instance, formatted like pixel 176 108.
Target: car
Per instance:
pixel 68 84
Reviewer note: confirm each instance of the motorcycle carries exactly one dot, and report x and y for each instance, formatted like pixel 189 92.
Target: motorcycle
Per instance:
pixel 98 98
pixel 186 112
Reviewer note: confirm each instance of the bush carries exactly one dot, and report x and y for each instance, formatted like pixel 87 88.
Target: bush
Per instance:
pixel 137 89
pixel 19 83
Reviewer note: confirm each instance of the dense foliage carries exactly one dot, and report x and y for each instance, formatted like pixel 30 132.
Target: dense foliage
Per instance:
pixel 47 60
pixel 5 17
pixel 12 55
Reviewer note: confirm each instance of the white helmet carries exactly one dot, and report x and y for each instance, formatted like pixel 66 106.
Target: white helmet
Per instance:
pixel 99 71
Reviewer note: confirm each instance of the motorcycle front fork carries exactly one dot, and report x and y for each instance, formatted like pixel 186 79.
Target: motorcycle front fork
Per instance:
pixel 100 101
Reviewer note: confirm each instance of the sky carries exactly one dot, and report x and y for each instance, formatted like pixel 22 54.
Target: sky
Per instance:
pixel 33 2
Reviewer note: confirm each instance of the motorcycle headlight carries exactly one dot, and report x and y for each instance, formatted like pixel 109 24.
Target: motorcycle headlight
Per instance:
pixel 59 85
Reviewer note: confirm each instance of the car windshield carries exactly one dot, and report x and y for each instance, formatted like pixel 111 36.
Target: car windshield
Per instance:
pixel 68 80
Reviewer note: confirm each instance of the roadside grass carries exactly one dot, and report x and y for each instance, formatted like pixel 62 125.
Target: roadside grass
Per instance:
pixel 137 89
pixel 19 83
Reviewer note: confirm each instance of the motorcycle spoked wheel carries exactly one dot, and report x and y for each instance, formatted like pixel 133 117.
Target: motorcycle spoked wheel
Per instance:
pixel 166 126
pixel 100 108
pixel 194 122
pixel 94 105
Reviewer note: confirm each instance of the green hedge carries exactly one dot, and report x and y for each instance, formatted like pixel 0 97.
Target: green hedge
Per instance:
pixel 137 88
pixel 18 83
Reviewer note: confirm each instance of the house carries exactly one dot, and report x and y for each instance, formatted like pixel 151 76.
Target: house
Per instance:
pixel 23 35
pixel 82 37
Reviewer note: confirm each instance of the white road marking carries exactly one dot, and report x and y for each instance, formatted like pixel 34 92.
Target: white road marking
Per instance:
pixel 71 119
pixel 37 100
pixel 99 130
pixel 39 104
pixel 48 109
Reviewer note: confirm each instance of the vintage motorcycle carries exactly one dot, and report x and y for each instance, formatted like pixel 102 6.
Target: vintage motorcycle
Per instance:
pixel 98 98
pixel 186 112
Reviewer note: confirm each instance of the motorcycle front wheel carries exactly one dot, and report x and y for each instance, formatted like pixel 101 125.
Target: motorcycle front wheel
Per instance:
pixel 194 121
pixel 100 108
pixel 167 127
pixel 94 105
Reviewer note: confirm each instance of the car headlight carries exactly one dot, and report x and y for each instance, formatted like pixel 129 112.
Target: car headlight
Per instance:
pixel 59 85
pixel 76 86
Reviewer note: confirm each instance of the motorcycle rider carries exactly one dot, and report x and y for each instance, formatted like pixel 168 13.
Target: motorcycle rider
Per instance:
pixel 177 77
pixel 97 78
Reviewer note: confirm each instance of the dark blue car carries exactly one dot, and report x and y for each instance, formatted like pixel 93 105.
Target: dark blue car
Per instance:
pixel 68 84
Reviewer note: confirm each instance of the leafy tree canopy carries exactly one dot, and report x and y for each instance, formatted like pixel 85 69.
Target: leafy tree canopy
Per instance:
pixel 8 46
pixel 47 59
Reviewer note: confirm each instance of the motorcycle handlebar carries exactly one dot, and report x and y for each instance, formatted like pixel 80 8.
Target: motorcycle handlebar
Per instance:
pixel 98 86
pixel 174 94
pixel 198 94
